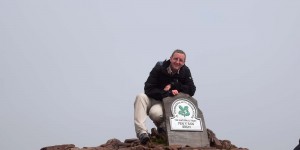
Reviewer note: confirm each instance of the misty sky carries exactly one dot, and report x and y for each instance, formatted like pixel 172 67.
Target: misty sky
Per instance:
pixel 70 69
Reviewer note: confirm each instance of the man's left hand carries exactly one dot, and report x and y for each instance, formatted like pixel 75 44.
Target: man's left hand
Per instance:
pixel 175 92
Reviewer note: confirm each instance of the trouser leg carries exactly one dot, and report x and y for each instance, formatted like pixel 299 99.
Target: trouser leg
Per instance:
pixel 156 112
pixel 141 106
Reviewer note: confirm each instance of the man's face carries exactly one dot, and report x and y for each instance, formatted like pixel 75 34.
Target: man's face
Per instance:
pixel 177 61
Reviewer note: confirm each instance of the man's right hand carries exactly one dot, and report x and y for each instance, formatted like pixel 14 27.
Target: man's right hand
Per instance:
pixel 167 87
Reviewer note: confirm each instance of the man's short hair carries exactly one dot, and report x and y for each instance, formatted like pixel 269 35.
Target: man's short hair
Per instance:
pixel 178 51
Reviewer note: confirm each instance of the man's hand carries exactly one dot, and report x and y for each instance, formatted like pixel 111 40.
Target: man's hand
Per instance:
pixel 175 92
pixel 167 87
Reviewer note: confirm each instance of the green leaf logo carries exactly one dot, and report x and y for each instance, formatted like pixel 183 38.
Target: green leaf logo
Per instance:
pixel 184 111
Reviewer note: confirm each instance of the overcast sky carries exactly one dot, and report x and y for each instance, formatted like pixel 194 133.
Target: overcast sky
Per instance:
pixel 70 69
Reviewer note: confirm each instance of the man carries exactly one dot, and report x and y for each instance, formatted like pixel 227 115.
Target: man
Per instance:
pixel 167 78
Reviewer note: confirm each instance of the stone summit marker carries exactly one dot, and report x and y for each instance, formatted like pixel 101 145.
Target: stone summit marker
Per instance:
pixel 184 121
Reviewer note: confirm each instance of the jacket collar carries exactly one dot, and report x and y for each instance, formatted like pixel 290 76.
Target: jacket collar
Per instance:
pixel 167 68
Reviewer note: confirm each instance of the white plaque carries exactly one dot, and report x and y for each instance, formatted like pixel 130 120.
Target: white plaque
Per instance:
pixel 185 116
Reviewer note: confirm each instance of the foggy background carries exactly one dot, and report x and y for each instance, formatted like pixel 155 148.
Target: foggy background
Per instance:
pixel 70 69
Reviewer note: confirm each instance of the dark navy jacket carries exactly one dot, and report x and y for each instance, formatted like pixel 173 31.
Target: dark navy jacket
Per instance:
pixel 159 78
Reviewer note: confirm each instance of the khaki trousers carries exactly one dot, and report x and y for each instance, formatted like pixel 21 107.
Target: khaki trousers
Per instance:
pixel 144 106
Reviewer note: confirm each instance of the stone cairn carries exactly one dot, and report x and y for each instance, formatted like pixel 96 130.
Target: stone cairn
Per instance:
pixel 157 142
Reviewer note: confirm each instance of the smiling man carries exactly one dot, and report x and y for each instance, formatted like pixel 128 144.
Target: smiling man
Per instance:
pixel 167 78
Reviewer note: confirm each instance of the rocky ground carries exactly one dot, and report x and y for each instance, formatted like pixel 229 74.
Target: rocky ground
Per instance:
pixel 157 142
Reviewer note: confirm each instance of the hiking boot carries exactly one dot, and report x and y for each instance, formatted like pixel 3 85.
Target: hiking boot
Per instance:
pixel 144 138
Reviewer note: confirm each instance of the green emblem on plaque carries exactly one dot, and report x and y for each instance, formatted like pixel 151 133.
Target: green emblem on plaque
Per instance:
pixel 184 111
